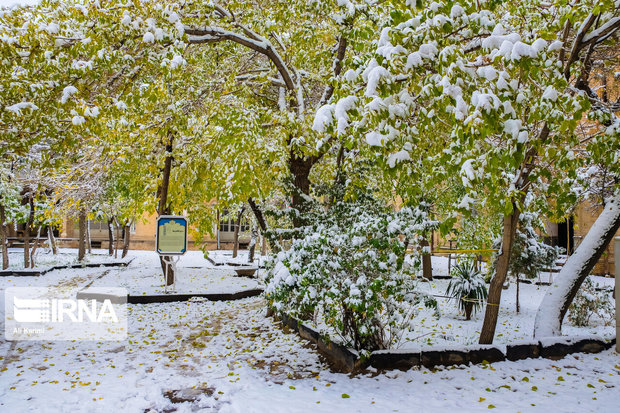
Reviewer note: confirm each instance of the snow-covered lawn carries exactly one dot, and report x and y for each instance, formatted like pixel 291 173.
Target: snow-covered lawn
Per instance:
pixel 451 328
pixel 44 258
pixel 229 357
pixel 194 275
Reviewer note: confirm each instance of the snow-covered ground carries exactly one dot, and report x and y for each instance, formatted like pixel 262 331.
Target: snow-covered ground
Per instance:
pixel 229 357
pixel 44 258
pixel 451 328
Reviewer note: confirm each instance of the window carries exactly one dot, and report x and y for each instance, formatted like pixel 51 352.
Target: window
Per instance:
pixel 227 222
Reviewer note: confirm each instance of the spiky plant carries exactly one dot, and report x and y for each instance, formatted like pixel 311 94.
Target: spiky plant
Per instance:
pixel 467 287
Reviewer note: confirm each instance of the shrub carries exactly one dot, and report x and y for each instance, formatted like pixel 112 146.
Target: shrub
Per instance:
pixel 467 287
pixel 347 274
pixel 590 301
pixel 529 256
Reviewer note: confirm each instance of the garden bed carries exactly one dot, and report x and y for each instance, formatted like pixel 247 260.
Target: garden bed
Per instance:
pixel 349 360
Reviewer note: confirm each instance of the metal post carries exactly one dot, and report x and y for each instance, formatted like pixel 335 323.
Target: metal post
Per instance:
pixel 617 275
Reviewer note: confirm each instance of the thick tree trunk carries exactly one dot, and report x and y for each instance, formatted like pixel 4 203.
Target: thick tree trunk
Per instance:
pixel 82 234
pixel 3 240
pixel 561 293
pixel 110 236
pixel 427 266
pixel 27 231
pixel 300 169
pixel 126 239
pixel 497 282
pixel 164 207
pixel 236 233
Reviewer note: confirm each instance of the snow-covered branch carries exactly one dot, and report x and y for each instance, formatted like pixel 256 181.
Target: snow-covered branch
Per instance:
pixel 261 45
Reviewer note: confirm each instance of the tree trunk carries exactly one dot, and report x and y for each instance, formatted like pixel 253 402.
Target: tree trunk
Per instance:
pixel 34 247
pixel 117 236
pixel 469 307
pixel 260 218
pixel 3 240
pixel 126 239
pixel 427 266
pixel 236 233
pixel 52 239
pixel 82 234
pixel 110 237
pixel 560 295
pixel 164 207
pixel 300 169
pixel 252 247
pixel 501 270
pixel 518 307
pixel 27 231
pixel 88 243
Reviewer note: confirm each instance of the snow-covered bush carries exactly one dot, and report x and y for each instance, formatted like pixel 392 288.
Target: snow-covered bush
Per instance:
pixel 467 287
pixel 347 273
pixel 529 255
pixel 590 301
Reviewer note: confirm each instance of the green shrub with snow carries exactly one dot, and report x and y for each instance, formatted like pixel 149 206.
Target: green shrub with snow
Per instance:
pixel 529 255
pixel 346 273
pixel 467 287
pixel 591 301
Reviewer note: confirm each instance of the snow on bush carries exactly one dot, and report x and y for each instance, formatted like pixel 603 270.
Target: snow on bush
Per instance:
pixel 591 301
pixel 346 273
pixel 467 287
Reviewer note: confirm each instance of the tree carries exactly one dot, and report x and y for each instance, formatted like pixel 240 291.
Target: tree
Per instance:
pixel 484 91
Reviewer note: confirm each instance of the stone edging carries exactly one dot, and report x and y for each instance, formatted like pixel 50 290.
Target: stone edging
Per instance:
pixel 349 360
pixel 37 273
pixel 168 298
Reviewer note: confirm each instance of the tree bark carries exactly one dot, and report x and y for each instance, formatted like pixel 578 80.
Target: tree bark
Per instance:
pixel 110 237
pixel 27 231
pixel 88 243
pixel 560 295
pixel 126 239
pixel 34 247
pixel 300 170
pixel 495 289
pixel 236 233
pixel 427 266
pixel 3 238
pixel 164 207
pixel 52 239
pixel 252 247
pixel 260 218
pixel 82 234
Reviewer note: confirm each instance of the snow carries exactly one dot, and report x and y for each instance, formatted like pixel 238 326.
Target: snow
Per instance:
pixel 230 357
pixel 374 76
pixel 550 93
pixel 398 157
pixel 18 3
pixel 548 315
pixel 323 118
pixel 374 138
pixel 605 28
pixel 148 37
pixel 67 92
pixel 18 107
pixel 467 172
